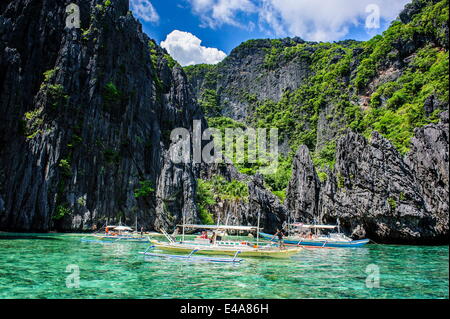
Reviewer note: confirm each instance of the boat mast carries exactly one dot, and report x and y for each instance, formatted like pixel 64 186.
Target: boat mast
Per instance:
pixel 315 224
pixel 288 226
pixel 218 219
pixel 226 224
pixel 257 230
pixel 182 237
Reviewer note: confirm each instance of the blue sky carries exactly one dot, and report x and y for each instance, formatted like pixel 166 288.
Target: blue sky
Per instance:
pixel 207 30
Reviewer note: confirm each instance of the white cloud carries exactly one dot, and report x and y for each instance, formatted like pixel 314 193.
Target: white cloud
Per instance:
pixel 269 17
pixel 214 13
pixel 143 9
pixel 324 20
pixel 186 48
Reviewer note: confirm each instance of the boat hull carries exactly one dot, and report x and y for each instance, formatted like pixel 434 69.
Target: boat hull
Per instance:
pixel 122 239
pixel 229 251
pixel 194 258
pixel 324 244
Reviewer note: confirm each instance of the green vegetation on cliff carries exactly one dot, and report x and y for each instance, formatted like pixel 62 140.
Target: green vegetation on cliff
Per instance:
pixel 396 107
pixel 276 181
pixel 393 83
pixel 204 199
pixel 145 189
pixel 217 188
pixel 225 190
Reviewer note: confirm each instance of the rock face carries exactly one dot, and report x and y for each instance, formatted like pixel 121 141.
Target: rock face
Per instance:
pixel 78 141
pixel 429 160
pixel 303 191
pixel 273 213
pixel 86 116
pixel 239 78
pixel 260 202
pixel 372 189
pixel 377 193
pixel 86 120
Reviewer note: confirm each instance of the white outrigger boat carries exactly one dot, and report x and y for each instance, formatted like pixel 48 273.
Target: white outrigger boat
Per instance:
pixel 119 233
pixel 212 246
pixel 306 235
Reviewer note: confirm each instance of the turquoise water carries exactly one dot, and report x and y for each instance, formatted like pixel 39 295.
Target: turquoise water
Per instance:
pixel 34 266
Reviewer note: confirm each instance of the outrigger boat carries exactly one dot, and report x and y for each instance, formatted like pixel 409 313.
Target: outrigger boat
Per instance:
pixel 296 237
pixel 118 234
pixel 206 246
pixel 191 257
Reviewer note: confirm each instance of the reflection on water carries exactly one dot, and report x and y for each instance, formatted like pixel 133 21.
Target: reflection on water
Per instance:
pixel 28 237
pixel 31 268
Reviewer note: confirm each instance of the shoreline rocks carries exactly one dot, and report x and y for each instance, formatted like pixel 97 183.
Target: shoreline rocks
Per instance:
pixel 377 193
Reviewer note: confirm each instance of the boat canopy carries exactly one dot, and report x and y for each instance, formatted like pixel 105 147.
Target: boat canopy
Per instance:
pixel 300 225
pixel 220 227
pixel 119 227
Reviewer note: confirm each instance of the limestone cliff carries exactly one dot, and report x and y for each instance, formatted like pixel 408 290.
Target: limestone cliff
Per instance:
pixel 86 116
pixel 377 193
pixel 364 124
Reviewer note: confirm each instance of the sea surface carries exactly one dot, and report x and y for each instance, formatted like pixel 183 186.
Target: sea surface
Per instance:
pixel 48 265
